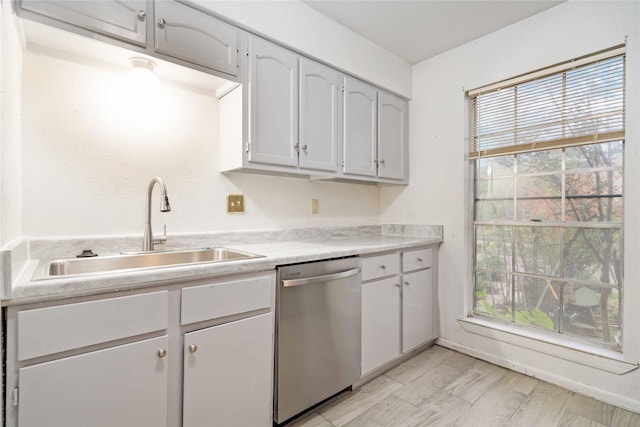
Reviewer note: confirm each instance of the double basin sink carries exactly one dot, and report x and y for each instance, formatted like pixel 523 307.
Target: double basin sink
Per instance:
pixel 49 269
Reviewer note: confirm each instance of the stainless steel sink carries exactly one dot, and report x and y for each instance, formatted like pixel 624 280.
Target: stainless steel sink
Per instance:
pixel 48 269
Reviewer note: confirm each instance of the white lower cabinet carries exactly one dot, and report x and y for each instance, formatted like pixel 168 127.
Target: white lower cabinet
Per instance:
pixel 119 386
pixel 417 309
pixel 397 305
pixel 227 374
pixel 380 323
pixel 120 360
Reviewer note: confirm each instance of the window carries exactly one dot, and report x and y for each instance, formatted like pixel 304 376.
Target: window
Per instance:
pixel 548 199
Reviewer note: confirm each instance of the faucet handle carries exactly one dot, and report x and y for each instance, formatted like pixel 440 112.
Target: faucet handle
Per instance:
pixel 162 239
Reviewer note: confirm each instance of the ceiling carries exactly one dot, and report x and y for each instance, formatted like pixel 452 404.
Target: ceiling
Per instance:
pixel 419 29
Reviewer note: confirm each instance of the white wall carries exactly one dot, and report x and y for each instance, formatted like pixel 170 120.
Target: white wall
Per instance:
pixel 10 164
pixel 298 26
pixel 86 167
pixel 439 191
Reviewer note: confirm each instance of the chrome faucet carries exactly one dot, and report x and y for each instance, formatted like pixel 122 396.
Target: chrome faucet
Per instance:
pixel 149 239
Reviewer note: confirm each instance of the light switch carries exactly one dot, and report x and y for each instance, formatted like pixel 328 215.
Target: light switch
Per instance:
pixel 315 206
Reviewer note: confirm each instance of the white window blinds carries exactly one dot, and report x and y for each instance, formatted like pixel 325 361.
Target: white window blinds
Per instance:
pixel 579 102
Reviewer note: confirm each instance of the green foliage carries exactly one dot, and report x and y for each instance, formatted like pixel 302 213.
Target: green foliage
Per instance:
pixel 535 317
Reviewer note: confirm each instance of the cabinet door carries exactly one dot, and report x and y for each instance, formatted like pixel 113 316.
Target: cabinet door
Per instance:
pixel 125 20
pixel 417 309
pixel 380 323
pixel 228 374
pixel 188 34
pixel 119 386
pixel 359 128
pixel 392 136
pixel 318 116
pixel 273 104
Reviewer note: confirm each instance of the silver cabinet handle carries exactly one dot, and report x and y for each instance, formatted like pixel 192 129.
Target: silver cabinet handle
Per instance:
pixel 161 353
pixel 193 348
pixel 161 23
pixel 419 259
pixel 398 285
pixel 382 162
pixel 142 15
pixel 304 148
pixel 297 146
pixel 320 279
pixel 382 266
pixel 407 283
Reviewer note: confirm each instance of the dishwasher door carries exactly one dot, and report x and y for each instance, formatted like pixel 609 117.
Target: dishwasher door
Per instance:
pixel 317 333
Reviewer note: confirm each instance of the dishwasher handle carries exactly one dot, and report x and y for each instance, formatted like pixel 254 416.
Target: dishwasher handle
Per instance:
pixel 320 279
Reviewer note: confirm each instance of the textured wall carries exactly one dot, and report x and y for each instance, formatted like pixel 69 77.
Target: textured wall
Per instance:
pixel 86 165
pixel 440 190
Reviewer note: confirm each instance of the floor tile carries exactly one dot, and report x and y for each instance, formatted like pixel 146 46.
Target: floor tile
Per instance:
pixel 430 383
pixel 351 404
pixel 442 409
pixel 440 387
pixel 312 419
pixel 476 380
pixel 386 413
pixel 419 364
pixel 624 418
pixel 544 407
pixel 494 406
pixel 571 419
pixel 591 408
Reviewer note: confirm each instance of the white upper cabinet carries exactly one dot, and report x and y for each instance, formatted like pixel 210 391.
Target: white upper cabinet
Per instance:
pixel 392 136
pixel 273 104
pixel 190 35
pixel 319 116
pixel 124 20
pixel 359 128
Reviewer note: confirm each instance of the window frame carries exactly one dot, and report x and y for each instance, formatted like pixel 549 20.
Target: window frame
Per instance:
pixel 515 224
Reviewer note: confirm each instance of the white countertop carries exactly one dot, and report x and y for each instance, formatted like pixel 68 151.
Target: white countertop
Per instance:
pixel 25 290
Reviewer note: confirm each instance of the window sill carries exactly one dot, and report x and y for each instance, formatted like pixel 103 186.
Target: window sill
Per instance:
pixel 599 358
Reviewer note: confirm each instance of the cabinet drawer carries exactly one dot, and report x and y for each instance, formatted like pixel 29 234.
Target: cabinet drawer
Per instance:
pixel 44 331
pixel 415 260
pixel 380 266
pixel 216 300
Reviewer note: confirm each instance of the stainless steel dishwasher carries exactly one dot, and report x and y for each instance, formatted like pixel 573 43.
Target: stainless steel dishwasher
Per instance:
pixel 317 333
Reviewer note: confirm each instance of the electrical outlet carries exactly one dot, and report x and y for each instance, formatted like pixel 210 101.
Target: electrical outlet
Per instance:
pixel 315 206
pixel 235 203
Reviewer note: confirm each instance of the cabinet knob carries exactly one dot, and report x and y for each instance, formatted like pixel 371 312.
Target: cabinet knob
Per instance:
pixel 420 259
pixel 407 283
pixel 382 266
pixel 398 285
pixel 161 23
pixel 161 353
pixel 193 348
pixel 142 15
pixel 304 148
pixel 381 162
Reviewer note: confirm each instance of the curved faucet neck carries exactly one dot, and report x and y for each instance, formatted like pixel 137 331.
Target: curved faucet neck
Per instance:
pixel 149 241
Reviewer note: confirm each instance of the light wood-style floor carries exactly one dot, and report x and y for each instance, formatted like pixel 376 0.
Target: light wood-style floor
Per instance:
pixel 440 387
